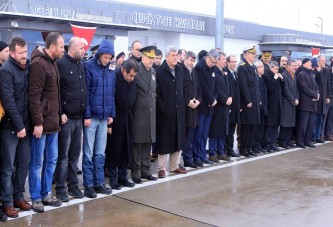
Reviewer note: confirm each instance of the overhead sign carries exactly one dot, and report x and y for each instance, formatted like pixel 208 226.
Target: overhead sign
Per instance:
pixel 168 21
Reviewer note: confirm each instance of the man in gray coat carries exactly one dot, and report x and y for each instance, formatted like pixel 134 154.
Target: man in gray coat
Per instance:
pixel 144 120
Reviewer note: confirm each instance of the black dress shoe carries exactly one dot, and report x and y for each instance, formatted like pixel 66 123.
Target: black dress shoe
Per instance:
pixel 233 154
pixel 150 178
pixel 268 149
pixel 301 146
pixel 191 165
pixel 274 147
pixel 137 180
pixel 291 145
pixel 206 161
pixel 255 150
pixel 115 186
pixel 320 141
pixel 246 154
pixel 310 145
pixel 198 163
pixel 283 145
pixel 126 183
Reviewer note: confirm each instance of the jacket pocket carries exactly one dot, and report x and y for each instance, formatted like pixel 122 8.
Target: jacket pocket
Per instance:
pixel 45 107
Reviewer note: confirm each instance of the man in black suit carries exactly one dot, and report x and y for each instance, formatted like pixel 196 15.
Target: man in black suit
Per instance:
pixel 209 89
pixel 308 98
pixel 234 107
pixel 192 96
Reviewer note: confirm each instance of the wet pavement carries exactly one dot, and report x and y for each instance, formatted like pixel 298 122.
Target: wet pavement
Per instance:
pixel 284 189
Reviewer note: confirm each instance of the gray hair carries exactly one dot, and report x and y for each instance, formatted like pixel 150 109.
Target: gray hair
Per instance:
pixel 257 63
pixel 190 54
pixel 169 49
pixel 290 61
pixel 222 53
pixel 214 53
pixel 273 64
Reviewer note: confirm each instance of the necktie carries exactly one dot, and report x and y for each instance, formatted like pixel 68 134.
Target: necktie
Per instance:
pixel 233 75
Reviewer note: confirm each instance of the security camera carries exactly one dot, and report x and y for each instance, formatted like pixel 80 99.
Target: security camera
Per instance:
pixel 14 24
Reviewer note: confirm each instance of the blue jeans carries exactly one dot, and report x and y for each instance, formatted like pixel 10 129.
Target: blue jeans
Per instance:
pixel 216 145
pixel 94 144
pixel 70 139
pixel 14 157
pixel 319 127
pixel 201 136
pixel 43 156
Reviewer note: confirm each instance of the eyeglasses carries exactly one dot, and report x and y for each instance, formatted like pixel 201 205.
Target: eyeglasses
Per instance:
pixel 213 62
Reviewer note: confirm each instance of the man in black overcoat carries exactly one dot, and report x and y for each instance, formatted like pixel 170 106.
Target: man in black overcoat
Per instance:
pixel 308 98
pixel 170 114
pixel 273 81
pixel 119 146
pixel 234 107
pixel 219 127
pixel 209 88
pixel 192 101
pixel 322 75
pixel 250 99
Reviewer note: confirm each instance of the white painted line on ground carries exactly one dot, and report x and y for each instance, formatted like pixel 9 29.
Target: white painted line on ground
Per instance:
pixel 171 177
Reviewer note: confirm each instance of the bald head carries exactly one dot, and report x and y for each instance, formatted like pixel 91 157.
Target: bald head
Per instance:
pixel 76 47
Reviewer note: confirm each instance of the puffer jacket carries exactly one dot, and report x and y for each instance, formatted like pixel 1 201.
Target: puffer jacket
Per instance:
pixel 100 85
pixel 44 92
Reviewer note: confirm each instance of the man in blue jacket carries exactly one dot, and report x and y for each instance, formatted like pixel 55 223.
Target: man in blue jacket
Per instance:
pixel 100 111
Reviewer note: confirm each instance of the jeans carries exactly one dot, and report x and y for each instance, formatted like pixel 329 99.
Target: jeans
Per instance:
pixel 216 145
pixel 201 136
pixel 319 126
pixel 13 176
pixel 70 139
pixel 94 144
pixel 44 155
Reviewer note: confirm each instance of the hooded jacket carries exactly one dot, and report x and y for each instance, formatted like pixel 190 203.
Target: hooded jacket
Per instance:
pixel 100 85
pixel 44 90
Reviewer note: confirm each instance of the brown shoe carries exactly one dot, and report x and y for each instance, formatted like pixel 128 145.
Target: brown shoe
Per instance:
pixel 214 159
pixel 161 174
pixel 330 138
pixel 179 171
pixel 10 211
pixel 223 157
pixel 22 204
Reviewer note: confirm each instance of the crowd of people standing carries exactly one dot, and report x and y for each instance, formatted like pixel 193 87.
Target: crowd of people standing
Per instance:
pixel 188 106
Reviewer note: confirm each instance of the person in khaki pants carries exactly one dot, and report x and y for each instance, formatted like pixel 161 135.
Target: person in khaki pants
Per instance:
pixel 170 114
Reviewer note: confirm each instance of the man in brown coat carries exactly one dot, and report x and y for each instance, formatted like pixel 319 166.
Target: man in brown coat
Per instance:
pixel 44 103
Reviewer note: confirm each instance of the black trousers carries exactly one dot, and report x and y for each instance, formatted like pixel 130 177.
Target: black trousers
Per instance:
pixel 260 131
pixel 271 134
pixel 285 135
pixel 305 126
pixel 229 139
pixel 247 136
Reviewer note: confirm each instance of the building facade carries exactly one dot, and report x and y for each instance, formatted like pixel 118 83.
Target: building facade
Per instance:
pixel 123 23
